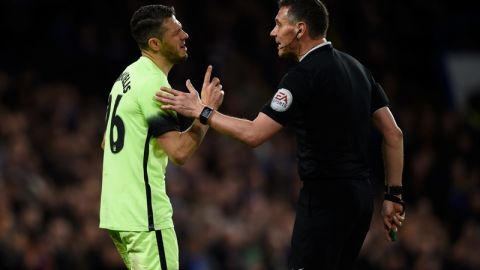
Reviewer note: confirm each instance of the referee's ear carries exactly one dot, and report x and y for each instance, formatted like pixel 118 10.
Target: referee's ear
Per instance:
pixel 301 28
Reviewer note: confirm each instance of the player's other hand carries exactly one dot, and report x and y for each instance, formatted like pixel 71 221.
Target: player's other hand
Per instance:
pixel 212 93
pixel 393 217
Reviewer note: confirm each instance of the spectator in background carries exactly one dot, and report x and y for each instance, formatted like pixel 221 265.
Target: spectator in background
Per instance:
pixel 330 99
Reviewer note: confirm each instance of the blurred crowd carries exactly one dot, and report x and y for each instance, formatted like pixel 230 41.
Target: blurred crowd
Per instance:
pixel 233 205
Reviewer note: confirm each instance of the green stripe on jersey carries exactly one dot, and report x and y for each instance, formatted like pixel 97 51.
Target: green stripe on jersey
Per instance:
pixel 133 182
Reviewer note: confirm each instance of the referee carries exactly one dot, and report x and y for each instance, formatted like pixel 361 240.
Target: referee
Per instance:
pixel 330 99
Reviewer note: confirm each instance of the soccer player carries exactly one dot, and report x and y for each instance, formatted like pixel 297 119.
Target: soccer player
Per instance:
pixel 330 99
pixel 140 138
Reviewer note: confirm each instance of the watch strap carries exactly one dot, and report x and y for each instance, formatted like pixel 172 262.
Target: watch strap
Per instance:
pixel 394 190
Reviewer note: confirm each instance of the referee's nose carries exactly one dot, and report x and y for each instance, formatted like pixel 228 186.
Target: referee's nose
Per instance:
pixel 273 33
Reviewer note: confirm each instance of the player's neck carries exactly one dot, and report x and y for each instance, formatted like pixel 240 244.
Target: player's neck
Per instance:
pixel 307 45
pixel 160 61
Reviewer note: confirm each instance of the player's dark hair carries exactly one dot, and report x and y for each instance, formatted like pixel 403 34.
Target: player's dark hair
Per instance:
pixel 147 22
pixel 312 12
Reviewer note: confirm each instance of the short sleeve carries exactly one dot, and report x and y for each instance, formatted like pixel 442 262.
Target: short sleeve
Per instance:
pixel 283 106
pixel 379 99
pixel 159 121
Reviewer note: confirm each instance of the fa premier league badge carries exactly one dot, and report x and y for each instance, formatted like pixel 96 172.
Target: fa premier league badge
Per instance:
pixel 282 100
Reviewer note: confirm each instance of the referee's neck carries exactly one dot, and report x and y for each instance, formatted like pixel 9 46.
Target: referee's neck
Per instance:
pixel 309 45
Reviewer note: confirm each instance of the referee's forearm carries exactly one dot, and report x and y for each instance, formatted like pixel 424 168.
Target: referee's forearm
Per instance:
pixel 239 129
pixel 393 160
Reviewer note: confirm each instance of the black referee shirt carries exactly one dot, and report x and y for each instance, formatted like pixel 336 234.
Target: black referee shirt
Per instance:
pixel 328 98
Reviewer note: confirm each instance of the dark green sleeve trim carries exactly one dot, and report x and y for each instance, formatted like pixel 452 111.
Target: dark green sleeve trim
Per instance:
pixel 184 122
pixel 162 123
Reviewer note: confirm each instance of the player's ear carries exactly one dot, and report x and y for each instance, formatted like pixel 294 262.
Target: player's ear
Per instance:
pixel 154 44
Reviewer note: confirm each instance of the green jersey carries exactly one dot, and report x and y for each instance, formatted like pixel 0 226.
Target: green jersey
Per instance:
pixel 133 182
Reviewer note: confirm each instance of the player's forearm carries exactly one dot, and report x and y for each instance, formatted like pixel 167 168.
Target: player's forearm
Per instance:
pixel 239 129
pixel 197 133
pixel 189 141
pixel 393 158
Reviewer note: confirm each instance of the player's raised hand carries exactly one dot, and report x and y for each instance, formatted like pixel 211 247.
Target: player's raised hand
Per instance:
pixel 212 93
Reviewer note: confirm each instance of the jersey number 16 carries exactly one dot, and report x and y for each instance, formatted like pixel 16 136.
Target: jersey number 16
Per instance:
pixel 116 145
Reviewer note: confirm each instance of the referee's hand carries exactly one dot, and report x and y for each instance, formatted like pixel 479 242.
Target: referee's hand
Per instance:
pixel 393 218
pixel 189 104
pixel 186 104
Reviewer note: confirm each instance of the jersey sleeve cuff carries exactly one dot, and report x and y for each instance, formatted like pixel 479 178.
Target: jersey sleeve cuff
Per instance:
pixel 162 123
pixel 272 114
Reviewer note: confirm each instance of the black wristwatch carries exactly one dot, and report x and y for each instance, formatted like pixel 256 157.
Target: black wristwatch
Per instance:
pixel 394 190
pixel 392 194
pixel 205 114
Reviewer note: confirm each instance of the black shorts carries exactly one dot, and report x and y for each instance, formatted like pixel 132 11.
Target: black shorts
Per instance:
pixel 332 220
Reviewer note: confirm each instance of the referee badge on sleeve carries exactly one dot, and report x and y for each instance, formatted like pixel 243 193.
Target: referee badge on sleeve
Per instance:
pixel 282 100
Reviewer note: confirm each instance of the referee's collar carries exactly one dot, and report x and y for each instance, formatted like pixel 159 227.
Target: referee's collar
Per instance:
pixel 314 48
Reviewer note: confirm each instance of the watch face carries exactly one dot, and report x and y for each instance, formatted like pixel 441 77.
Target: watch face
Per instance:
pixel 205 114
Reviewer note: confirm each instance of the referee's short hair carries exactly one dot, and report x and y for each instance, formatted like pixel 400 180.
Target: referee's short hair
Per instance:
pixel 147 22
pixel 312 12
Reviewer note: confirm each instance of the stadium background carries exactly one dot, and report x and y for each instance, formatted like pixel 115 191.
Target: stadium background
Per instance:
pixel 233 206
